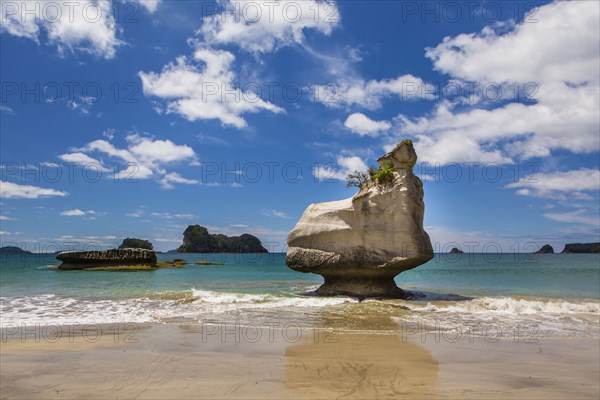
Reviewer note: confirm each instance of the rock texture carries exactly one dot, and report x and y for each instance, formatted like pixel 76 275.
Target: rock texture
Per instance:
pixel 582 248
pixel 546 249
pixel 90 259
pixel 360 244
pixel 196 239
pixel 131 243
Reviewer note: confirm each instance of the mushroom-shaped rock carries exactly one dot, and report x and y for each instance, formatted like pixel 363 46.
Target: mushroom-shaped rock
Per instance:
pixel 360 244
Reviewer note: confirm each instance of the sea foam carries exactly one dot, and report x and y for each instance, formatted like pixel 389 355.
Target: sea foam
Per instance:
pixel 552 317
pixel 510 306
pixel 192 306
pixel 506 315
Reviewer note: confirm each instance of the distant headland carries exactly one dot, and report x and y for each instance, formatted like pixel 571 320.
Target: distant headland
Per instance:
pixel 582 248
pixel 197 239
pixel 9 250
pixel 572 248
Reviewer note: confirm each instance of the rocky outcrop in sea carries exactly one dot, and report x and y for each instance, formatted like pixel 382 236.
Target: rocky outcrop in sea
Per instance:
pixel 361 243
pixel 197 239
pixel 545 249
pixel 73 260
pixel 131 243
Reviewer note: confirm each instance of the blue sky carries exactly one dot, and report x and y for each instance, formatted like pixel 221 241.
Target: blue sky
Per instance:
pixel 140 118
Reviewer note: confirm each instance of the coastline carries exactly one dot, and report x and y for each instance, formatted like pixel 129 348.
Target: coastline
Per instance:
pixel 482 330
pixel 220 361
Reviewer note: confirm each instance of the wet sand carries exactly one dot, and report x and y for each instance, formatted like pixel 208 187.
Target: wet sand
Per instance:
pixel 171 361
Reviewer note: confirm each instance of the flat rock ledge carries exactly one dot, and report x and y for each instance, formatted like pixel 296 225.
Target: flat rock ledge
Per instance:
pixel 75 260
pixel 360 244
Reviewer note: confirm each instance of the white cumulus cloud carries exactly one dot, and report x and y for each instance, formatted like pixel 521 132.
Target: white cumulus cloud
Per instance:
pixel 84 160
pixel 76 213
pixel 560 185
pixel 173 177
pixel 362 125
pixel 11 190
pixel 150 5
pixel 370 94
pixel 339 171
pixel 203 88
pixel 580 217
pixel 85 26
pixel 259 26
pixel 557 59
pixel 143 158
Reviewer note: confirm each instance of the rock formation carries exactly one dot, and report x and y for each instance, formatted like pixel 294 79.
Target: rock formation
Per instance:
pixel 196 239
pixel 546 249
pixel 582 248
pixel 12 250
pixel 360 244
pixel 131 243
pixel 89 259
pixel 456 250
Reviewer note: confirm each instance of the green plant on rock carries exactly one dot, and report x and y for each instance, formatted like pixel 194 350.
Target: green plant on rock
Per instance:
pixel 359 178
pixel 383 176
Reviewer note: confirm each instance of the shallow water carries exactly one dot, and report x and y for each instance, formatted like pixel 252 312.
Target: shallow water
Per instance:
pixel 508 294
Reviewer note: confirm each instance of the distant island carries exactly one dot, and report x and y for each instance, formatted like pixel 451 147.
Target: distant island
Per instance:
pixel 582 248
pixel 572 248
pixel 197 239
pixel 10 250
pixel 130 243
pixel 138 254
pixel 456 250
pixel 546 249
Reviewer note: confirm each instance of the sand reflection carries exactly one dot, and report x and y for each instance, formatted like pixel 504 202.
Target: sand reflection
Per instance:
pixel 359 365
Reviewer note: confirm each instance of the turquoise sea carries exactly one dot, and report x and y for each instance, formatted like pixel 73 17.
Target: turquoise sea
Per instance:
pixel 559 294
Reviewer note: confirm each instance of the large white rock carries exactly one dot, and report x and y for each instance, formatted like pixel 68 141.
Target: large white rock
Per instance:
pixel 360 244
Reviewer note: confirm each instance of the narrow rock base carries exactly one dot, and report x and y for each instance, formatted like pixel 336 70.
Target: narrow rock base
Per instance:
pixel 362 287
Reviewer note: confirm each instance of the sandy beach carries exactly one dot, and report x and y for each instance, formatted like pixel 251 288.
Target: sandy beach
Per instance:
pixel 155 361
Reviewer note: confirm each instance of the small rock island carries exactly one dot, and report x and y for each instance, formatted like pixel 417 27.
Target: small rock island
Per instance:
pixel 197 239
pixel 131 243
pixel 545 249
pixel 456 250
pixel 133 258
pixel 360 244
